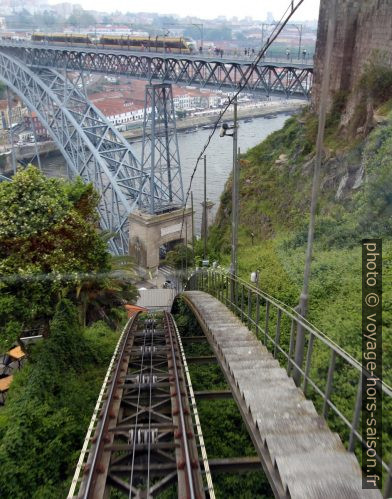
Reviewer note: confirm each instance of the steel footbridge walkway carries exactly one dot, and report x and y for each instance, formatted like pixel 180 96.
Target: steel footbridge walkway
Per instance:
pixel 301 456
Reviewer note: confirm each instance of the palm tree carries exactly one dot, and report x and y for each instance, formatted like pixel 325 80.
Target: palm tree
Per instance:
pixel 100 293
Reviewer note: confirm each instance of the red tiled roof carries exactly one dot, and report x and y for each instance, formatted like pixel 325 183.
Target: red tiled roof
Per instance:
pixel 111 107
pixel 125 97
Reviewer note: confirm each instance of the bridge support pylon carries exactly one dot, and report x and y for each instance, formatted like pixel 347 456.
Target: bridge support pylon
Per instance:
pixel 149 232
pixel 160 155
pixel 162 220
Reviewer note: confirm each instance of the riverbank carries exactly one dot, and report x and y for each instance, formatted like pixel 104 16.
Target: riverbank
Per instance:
pixel 266 108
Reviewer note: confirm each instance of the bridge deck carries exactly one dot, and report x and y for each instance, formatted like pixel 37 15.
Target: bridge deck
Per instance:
pixel 291 79
pixel 204 57
pixel 301 456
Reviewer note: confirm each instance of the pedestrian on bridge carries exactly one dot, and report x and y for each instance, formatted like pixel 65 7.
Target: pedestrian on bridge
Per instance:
pixel 245 52
pixel 304 54
pixel 288 54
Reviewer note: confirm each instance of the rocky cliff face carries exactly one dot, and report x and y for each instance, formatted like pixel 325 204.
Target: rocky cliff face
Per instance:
pixel 276 175
pixel 363 28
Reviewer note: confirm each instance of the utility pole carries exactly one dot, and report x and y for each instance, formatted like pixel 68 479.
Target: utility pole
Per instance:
pixel 193 229
pixel 186 248
pixel 205 210
pixel 10 118
pixel 303 304
pixel 235 196
pixel 35 140
pixel 300 42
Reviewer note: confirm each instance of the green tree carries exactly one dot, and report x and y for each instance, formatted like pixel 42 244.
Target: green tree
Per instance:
pixel 97 297
pixel 81 18
pixel 176 257
pixel 376 79
pixel 49 242
pixel 43 423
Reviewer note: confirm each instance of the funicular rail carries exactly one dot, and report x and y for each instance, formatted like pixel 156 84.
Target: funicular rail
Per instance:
pixel 141 438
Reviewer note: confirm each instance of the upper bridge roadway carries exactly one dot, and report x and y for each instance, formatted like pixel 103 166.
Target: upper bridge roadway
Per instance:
pixel 228 73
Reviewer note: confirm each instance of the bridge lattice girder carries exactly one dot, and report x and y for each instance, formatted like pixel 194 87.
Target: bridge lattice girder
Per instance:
pixel 289 79
pixel 91 146
pixel 160 148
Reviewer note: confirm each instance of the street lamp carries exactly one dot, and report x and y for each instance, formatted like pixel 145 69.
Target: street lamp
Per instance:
pixel 165 35
pixel 235 190
pixel 299 28
pixel 262 33
pixel 199 26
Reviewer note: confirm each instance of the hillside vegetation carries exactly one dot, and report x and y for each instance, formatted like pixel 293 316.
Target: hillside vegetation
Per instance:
pixel 49 406
pixel 58 280
pixel 355 203
pixel 51 248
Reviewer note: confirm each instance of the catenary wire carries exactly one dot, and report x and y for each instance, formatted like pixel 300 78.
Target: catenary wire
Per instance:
pixel 291 9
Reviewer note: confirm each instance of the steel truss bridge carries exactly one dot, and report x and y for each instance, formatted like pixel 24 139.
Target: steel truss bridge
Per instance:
pixel 92 146
pixel 289 79
pixel 94 149
pixel 145 432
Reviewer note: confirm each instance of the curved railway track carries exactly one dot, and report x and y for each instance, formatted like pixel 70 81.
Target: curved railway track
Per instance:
pixel 141 438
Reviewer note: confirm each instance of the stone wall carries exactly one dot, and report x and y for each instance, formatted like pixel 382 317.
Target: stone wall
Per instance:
pixel 361 28
pixel 150 232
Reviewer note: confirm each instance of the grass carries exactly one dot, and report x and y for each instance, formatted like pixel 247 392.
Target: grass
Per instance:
pixel 274 205
pixel 49 406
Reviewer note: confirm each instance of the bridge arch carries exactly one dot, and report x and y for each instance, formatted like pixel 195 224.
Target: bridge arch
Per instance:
pixel 91 146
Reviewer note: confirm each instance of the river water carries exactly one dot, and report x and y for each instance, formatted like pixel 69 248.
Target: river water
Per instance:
pixel 219 158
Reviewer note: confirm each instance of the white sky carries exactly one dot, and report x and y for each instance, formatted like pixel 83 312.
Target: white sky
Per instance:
pixel 207 9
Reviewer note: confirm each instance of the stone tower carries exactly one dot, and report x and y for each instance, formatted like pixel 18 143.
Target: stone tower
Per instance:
pixel 361 28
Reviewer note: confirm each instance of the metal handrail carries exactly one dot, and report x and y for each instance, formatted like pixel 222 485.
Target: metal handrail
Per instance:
pixel 218 283
pixel 300 320
pixel 205 55
pixel 311 328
